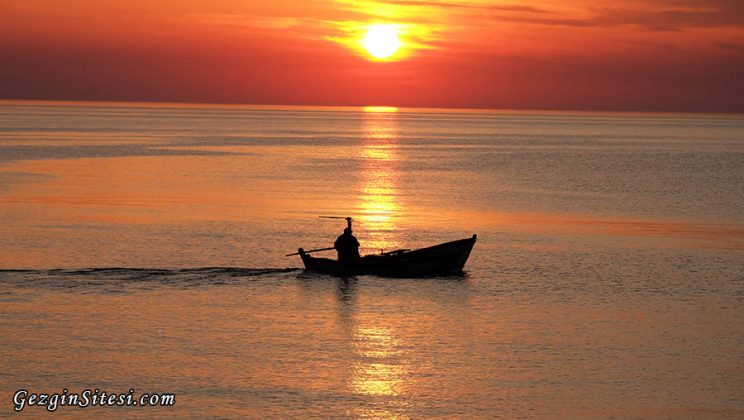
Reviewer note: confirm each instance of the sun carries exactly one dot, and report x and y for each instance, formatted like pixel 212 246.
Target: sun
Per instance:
pixel 381 41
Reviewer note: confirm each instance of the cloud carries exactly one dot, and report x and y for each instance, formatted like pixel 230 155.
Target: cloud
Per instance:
pixel 548 21
pixel 675 19
pixel 661 15
pixel 465 5
pixel 261 22
pixel 730 46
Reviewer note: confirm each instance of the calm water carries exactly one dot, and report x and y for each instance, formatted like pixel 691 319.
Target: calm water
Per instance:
pixel 143 247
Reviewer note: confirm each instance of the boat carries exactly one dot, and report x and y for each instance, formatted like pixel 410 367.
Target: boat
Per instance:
pixel 439 260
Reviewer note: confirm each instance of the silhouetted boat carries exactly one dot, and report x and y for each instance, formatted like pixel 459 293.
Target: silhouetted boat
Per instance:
pixel 439 260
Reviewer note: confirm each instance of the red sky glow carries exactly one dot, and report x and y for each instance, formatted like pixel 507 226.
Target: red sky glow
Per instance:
pixel 634 55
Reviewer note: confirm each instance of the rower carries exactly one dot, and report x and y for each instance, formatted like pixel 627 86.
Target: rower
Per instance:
pixel 347 246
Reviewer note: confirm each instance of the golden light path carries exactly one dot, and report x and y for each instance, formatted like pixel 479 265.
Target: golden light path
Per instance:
pixel 381 369
pixel 378 201
pixel 375 374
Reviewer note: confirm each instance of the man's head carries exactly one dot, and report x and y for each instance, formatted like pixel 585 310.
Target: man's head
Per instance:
pixel 347 231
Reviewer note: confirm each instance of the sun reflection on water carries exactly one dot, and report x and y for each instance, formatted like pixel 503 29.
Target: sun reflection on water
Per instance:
pixel 378 109
pixel 378 370
pixel 378 202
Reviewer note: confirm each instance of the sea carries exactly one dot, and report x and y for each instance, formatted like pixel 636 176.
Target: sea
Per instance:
pixel 142 251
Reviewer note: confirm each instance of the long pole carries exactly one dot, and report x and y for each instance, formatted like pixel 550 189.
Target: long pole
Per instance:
pixel 312 250
pixel 348 219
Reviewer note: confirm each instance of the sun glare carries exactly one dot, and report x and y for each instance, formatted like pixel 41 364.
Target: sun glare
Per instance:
pixel 381 41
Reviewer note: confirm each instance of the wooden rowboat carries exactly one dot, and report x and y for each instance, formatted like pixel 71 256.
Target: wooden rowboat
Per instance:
pixel 439 260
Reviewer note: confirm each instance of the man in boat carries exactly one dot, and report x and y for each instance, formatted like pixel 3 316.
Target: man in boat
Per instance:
pixel 347 246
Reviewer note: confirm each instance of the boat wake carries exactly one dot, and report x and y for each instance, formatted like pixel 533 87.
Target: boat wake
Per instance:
pixel 118 279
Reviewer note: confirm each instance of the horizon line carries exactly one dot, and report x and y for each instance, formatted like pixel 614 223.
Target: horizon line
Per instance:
pixel 185 104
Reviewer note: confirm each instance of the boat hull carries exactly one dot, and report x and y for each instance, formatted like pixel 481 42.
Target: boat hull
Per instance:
pixel 440 260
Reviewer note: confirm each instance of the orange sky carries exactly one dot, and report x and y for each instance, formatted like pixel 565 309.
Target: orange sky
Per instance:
pixel 644 55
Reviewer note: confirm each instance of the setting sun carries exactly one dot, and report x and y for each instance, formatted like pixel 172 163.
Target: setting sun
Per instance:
pixel 381 41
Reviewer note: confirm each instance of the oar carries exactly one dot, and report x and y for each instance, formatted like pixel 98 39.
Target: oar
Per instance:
pixel 348 223
pixel 312 250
